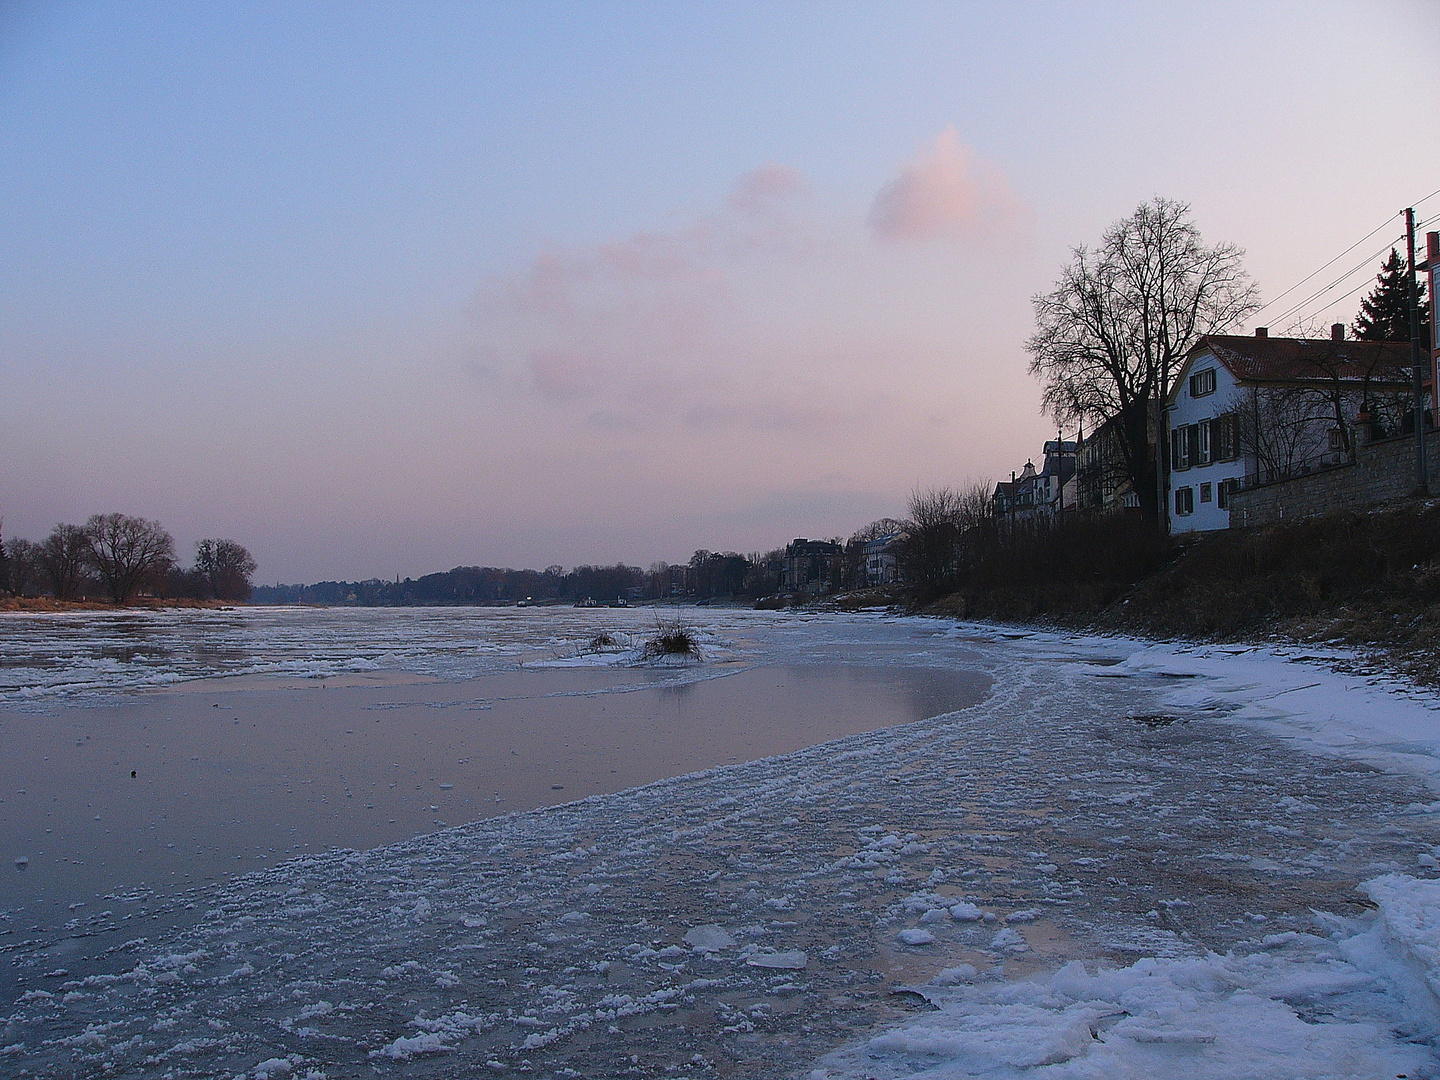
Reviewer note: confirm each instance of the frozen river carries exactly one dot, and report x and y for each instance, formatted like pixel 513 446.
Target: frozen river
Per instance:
pixel 1030 856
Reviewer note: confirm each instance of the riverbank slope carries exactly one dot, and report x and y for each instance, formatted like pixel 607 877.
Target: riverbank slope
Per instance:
pixel 1368 580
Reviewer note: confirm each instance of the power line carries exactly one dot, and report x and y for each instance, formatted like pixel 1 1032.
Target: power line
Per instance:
pixel 1321 269
pixel 1332 262
pixel 1332 303
pixel 1363 264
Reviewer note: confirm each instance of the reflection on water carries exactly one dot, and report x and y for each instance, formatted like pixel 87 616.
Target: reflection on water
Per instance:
pixel 188 786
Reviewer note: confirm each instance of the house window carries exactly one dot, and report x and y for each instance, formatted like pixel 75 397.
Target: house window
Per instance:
pixel 1226 492
pixel 1184 501
pixel 1337 439
pixel 1180 447
pixel 1192 444
pixel 1205 492
pixel 1202 383
pixel 1202 429
pixel 1224 438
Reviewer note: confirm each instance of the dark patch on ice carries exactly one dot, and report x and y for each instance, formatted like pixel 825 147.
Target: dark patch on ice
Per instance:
pixel 913 1000
pixel 1158 720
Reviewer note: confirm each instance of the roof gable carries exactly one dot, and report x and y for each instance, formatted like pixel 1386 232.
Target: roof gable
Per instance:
pixel 1301 361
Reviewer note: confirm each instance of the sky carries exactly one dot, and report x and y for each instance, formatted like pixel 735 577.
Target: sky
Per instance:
pixel 381 289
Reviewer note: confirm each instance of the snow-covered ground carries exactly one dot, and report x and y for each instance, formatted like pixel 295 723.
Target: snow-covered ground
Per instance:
pixel 1130 860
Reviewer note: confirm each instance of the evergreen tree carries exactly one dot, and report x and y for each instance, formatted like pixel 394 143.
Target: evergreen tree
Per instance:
pixel 1384 314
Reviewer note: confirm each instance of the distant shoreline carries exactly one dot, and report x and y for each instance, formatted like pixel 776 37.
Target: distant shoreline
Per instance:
pixel 45 604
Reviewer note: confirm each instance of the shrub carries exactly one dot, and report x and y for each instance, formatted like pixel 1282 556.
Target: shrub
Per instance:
pixel 672 638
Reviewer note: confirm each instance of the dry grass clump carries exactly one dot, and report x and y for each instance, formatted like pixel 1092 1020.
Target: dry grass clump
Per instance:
pixel 672 638
pixel 603 640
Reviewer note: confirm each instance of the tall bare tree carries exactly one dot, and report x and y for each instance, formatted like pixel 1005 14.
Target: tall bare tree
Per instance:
pixel 65 558
pixel 226 567
pixel 1110 339
pixel 129 552
pixel 940 518
pixel 27 566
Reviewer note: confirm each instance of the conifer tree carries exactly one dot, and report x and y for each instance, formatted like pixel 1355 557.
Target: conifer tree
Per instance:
pixel 1384 314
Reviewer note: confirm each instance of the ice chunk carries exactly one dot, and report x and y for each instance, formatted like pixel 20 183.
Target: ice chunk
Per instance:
pixel 966 912
pixel 709 938
pixel 788 961
pixel 961 973
pixel 916 936
pixel 1009 938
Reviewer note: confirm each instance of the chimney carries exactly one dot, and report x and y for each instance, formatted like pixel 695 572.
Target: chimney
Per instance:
pixel 1337 331
pixel 1262 331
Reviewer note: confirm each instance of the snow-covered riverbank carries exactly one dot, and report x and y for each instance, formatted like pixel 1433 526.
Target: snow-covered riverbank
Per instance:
pixel 1110 867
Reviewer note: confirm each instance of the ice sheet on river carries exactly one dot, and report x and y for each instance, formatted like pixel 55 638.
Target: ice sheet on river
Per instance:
pixel 1097 871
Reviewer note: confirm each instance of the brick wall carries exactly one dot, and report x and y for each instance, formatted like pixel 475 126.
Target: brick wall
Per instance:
pixel 1382 471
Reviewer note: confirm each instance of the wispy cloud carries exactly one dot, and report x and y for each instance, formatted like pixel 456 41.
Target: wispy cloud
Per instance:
pixel 761 342
pixel 947 193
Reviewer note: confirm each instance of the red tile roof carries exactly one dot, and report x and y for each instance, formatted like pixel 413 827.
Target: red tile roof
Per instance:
pixel 1278 359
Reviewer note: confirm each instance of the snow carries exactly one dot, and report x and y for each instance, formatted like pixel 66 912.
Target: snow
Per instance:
pixel 1131 860
pixel 1308 1009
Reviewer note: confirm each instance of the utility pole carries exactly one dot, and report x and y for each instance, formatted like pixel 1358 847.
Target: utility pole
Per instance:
pixel 1422 485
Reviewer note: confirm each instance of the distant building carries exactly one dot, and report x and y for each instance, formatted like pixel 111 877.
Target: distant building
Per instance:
pixel 1040 495
pixel 882 559
pixel 1054 486
pixel 811 567
pixel 1014 499
pixel 1102 478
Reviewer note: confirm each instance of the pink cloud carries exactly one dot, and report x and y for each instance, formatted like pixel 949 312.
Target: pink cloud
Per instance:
pixel 652 254
pixel 563 376
pixel 946 193
pixel 759 190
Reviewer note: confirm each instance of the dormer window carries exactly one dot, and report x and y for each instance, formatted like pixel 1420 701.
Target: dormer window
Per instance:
pixel 1202 383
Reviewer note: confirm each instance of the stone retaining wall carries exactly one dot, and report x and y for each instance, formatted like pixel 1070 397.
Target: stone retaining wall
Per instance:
pixel 1381 472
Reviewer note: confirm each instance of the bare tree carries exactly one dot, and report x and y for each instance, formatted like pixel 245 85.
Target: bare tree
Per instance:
pixel 227 568
pixel 1276 428
pixel 27 567
pixel 65 556
pixel 937 526
pixel 886 526
pixel 129 552
pixel 1110 339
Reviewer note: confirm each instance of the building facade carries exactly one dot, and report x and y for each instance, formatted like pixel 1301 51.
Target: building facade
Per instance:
pixel 1247 411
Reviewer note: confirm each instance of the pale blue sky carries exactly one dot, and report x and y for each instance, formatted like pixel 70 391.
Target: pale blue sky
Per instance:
pixel 269 271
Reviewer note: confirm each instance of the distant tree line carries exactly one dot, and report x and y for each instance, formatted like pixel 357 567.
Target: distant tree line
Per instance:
pixel 708 575
pixel 119 557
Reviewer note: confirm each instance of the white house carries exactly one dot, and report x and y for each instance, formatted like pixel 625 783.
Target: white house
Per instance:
pixel 1252 410
pixel 882 559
